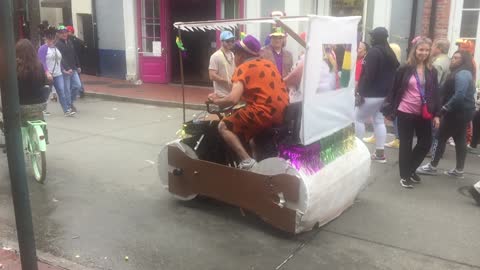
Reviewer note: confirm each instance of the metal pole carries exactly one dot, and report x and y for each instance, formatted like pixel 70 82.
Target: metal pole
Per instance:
pixel 413 24
pixel 433 20
pixel 182 77
pixel 13 136
pixel 33 11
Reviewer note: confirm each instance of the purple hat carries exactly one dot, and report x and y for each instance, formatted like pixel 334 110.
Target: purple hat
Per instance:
pixel 249 44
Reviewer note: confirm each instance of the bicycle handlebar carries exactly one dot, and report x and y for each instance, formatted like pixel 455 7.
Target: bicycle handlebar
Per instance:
pixel 217 112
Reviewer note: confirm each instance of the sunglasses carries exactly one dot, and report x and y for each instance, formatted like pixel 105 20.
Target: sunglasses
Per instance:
pixel 229 41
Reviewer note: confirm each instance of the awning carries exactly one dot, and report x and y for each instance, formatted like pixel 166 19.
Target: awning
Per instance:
pixel 56 3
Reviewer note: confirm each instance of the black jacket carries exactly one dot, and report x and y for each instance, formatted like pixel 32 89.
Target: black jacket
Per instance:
pixel 400 85
pixel 32 90
pixel 459 92
pixel 378 72
pixel 78 45
pixel 69 56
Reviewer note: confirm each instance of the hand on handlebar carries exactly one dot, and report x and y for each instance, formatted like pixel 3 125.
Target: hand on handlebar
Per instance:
pixel 212 97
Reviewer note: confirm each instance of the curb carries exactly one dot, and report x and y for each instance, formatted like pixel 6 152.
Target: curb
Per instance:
pixel 162 103
pixel 49 259
pixel 174 104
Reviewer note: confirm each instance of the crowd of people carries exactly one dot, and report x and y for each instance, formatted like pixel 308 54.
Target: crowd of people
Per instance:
pixel 429 96
pixel 54 67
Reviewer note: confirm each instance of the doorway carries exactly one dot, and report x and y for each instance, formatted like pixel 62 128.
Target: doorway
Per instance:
pixel 153 25
pixel 89 55
pixel 199 45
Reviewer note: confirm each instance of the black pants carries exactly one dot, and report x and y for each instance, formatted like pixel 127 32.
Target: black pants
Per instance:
pixel 476 130
pixel 453 125
pixel 409 159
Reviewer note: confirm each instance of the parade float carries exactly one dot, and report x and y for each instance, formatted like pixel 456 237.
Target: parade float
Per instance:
pixel 311 168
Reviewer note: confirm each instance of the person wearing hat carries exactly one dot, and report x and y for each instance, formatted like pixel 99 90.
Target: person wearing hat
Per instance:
pixel 374 84
pixel 70 66
pixel 277 54
pixel 258 83
pixel 222 65
pixel 79 46
pixel 51 60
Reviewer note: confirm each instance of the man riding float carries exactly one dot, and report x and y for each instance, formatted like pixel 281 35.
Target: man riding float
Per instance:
pixel 258 83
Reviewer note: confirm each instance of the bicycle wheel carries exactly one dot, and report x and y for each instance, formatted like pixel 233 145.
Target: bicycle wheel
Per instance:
pixel 38 158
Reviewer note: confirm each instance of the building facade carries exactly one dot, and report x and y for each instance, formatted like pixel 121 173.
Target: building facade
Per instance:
pixel 135 39
pixel 156 59
pixel 454 20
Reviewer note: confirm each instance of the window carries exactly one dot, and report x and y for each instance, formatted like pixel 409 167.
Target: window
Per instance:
pixel 347 7
pixel 230 9
pixel 469 24
pixel 150 24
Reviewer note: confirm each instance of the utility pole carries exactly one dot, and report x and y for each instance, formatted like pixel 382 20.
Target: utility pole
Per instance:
pixel 13 136
pixel 33 15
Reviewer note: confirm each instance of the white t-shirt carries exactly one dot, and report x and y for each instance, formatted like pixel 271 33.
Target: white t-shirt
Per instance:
pixel 224 65
pixel 54 60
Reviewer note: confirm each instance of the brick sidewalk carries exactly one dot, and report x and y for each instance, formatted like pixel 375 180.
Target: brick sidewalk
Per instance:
pixel 157 94
pixel 10 260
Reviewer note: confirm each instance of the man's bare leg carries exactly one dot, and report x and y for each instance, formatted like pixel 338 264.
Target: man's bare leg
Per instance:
pixel 233 141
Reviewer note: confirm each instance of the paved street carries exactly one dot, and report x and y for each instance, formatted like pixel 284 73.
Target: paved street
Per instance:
pixel 103 201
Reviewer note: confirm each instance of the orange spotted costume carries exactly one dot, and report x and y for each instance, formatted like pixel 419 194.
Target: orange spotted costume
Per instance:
pixel 265 96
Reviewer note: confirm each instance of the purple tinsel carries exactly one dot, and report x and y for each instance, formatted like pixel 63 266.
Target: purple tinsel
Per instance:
pixel 304 158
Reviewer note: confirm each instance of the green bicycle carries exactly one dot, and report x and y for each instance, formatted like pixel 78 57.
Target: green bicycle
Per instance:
pixel 34 138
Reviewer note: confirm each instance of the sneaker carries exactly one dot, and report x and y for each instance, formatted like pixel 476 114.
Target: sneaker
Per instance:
pixel 378 159
pixel 454 173
pixel 82 94
pixel 475 194
pixel 451 142
pixel 370 139
pixel 46 113
pixel 393 144
pixel 415 178
pixel 69 113
pixel 472 150
pixel 406 183
pixel 427 169
pixel 74 109
pixel 247 164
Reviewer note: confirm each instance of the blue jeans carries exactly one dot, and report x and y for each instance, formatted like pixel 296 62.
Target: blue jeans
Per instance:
pixel 72 86
pixel 59 84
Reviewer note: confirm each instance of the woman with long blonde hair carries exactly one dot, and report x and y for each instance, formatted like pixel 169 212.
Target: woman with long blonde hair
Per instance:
pixel 414 101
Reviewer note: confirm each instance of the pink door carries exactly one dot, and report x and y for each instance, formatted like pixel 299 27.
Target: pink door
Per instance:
pixel 153 41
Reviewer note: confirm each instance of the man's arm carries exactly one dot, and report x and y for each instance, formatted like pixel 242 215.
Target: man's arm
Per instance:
pixel 231 99
pixel 215 77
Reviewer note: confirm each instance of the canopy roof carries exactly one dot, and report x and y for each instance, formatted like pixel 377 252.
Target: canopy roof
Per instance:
pixel 233 23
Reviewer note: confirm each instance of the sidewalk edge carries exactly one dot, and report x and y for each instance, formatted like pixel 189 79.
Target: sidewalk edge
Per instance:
pixel 49 259
pixel 163 103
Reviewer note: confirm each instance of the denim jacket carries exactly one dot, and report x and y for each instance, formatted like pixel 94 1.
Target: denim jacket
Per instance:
pixel 459 92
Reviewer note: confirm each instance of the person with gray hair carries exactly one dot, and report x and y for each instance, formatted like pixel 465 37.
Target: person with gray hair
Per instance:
pixel 441 61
